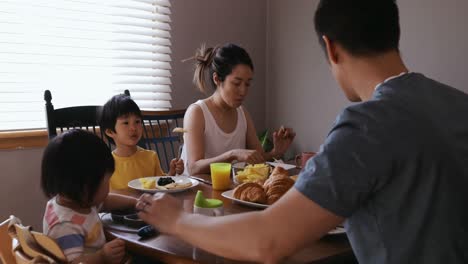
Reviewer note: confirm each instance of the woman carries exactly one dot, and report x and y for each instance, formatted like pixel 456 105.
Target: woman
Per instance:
pixel 219 128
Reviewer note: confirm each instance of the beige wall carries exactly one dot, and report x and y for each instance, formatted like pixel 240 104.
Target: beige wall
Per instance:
pixel 20 191
pixel 194 22
pixel 301 91
pixel 217 22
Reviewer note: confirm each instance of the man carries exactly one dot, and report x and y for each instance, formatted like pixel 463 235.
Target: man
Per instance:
pixel 394 166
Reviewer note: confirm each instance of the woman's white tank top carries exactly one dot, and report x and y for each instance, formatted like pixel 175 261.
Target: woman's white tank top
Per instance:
pixel 216 140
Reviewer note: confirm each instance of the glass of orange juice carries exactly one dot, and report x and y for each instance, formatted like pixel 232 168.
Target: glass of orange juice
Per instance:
pixel 220 176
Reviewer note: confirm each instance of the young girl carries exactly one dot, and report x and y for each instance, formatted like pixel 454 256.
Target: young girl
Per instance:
pixel 76 168
pixel 121 121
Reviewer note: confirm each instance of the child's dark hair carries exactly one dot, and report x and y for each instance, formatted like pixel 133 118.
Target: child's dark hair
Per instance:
pixel 74 164
pixel 119 105
pixel 361 27
pixel 220 60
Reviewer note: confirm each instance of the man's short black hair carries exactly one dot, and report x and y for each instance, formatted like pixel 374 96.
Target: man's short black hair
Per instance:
pixel 119 105
pixel 74 164
pixel 361 27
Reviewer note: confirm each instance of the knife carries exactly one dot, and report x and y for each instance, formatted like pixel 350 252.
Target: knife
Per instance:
pixel 201 180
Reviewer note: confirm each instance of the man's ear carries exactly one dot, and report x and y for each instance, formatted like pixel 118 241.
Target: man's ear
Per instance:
pixel 330 47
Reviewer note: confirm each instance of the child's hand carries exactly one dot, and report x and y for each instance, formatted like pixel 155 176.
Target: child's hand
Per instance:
pixel 114 251
pixel 176 167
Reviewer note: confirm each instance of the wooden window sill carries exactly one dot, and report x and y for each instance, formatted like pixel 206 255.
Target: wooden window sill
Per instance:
pixel 23 139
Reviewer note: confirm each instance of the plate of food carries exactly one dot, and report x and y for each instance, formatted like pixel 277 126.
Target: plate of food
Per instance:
pixel 261 191
pixel 168 184
pixel 230 195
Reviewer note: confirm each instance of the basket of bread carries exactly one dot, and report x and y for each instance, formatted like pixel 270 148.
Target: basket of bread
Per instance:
pixel 264 190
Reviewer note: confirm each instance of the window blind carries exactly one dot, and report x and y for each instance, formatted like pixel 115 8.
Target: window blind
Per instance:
pixel 84 52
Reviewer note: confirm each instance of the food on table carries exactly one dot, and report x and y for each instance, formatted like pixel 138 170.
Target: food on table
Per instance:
pixel 179 130
pixel 274 187
pixel 278 172
pixel 253 173
pixel 163 181
pixel 294 177
pixel 169 183
pixel 147 183
pixel 250 192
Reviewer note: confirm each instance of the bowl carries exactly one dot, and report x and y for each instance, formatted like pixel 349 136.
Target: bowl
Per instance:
pixel 132 220
pixel 118 215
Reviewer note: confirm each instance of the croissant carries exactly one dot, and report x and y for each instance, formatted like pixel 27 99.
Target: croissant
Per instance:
pixel 277 173
pixel 250 192
pixel 276 187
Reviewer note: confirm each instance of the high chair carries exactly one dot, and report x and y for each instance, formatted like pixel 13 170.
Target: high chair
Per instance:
pixel 27 246
pixel 6 251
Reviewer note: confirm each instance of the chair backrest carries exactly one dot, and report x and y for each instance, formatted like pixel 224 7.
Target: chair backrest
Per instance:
pixel 31 246
pixel 6 251
pixel 158 134
pixel 63 119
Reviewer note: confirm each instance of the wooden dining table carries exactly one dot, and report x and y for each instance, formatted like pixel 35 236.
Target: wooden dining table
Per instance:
pixel 170 249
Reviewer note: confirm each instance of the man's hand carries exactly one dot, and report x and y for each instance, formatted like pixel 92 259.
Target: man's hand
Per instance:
pixel 160 210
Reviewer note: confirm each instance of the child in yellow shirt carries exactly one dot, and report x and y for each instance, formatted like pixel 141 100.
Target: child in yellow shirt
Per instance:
pixel 121 121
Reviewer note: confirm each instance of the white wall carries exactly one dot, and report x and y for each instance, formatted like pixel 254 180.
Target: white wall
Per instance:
pixel 193 22
pixel 301 91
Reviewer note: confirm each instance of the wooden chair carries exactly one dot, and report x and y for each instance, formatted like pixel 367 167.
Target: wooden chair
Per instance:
pixel 158 133
pixel 63 119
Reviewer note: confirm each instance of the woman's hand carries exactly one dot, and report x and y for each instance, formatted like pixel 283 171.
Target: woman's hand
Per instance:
pixel 160 210
pixel 282 139
pixel 248 155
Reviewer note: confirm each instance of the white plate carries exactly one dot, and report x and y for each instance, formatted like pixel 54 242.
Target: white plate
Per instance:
pixel 283 165
pixel 229 195
pixel 136 184
pixel 337 231
pixel 239 165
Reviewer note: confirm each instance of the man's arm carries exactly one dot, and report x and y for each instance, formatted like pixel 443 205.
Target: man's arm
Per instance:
pixel 265 236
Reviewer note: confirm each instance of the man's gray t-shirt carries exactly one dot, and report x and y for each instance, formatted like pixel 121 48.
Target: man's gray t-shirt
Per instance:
pixel 396 167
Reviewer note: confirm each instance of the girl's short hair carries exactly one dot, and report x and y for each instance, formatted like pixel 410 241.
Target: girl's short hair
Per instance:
pixel 220 59
pixel 74 164
pixel 119 105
